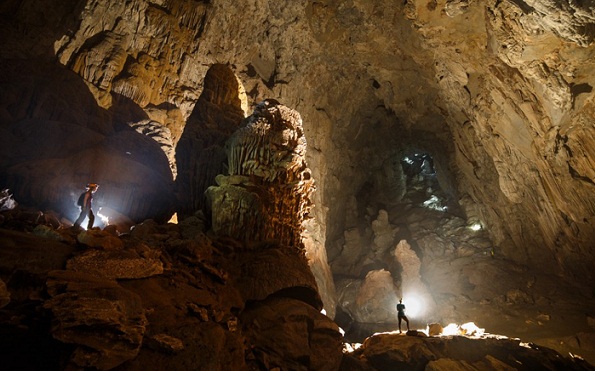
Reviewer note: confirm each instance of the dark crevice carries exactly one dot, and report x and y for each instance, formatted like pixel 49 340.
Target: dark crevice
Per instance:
pixel 577 89
pixel 526 8
pixel 576 175
pixel 271 82
pixel 301 293
pixel 251 71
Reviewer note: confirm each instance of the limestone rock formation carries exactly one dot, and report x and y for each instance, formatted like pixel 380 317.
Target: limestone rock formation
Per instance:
pixel 376 300
pixel 266 196
pixel 161 300
pixel 392 351
pixel 207 310
pixel 497 94
pixel 105 322
pixel 273 270
pixel 200 153
pixel 100 240
pixel 287 333
pixel 126 265
pixel 411 282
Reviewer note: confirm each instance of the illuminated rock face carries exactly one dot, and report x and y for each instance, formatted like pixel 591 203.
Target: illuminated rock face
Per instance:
pixel 266 196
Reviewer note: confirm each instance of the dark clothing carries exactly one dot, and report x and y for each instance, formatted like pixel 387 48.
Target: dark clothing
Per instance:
pixel 401 315
pixel 86 211
pixel 401 310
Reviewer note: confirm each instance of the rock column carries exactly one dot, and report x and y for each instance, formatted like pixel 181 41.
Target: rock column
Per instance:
pixel 266 194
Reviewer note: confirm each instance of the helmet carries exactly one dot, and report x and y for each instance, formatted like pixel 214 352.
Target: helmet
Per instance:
pixel 92 186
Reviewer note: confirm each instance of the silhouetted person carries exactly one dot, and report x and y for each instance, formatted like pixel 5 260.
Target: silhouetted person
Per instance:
pixel 401 314
pixel 86 203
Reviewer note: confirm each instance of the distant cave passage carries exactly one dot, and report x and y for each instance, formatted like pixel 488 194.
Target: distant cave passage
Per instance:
pixel 422 183
pixel 418 164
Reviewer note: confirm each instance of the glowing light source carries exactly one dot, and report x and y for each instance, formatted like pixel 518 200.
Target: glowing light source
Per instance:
pixel 351 347
pixel 103 218
pixel 414 305
pixel 451 329
pixel 475 227
pixel 173 219
pixel 467 329
pixel 434 203
pixel 471 328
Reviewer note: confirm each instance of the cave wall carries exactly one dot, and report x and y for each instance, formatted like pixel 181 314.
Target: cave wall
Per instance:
pixel 56 138
pixel 518 114
pixel 499 92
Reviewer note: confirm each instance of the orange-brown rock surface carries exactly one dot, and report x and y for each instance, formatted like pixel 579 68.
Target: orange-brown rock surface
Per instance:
pixel 423 119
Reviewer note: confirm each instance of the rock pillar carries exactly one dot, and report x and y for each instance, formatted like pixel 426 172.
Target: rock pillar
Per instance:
pixel 266 194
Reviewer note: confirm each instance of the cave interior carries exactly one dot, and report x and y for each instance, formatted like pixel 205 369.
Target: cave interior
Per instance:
pixel 447 155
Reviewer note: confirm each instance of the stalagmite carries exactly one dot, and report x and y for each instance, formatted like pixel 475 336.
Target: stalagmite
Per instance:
pixel 270 159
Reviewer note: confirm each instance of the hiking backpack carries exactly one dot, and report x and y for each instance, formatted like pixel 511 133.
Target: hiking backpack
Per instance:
pixel 81 199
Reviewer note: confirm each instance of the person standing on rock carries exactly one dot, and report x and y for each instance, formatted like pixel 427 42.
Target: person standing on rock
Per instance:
pixel 401 314
pixel 85 202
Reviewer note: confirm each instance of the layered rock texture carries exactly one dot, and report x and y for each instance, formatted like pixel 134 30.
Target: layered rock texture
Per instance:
pixel 450 141
pixel 204 303
pixel 266 194
pixel 168 297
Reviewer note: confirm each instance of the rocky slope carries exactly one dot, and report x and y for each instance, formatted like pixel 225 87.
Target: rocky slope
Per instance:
pixel 171 297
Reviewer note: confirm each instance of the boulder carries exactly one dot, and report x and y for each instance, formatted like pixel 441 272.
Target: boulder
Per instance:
pixel 103 321
pixel 291 334
pixel 387 351
pixel 434 329
pixel 100 240
pixel 275 270
pixel 49 232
